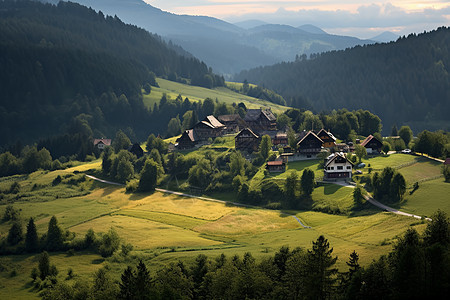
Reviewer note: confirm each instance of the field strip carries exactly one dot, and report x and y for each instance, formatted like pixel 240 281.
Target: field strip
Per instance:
pixel 201 198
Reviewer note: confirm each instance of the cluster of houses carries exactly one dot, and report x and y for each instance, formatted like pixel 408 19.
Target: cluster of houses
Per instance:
pixel 260 122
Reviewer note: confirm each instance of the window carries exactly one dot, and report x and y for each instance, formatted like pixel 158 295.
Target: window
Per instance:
pixel 340 167
pixel 332 168
pixel 348 167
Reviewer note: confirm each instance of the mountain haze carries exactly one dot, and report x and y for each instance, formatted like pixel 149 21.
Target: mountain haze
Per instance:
pixel 226 47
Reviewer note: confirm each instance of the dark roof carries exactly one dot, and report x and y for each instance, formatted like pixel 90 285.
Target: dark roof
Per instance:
pixel 368 139
pixel 229 118
pixel 249 131
pixel 306 135
pixel 335 155
pixel 189 133
pixel 323 131
pixel 254 114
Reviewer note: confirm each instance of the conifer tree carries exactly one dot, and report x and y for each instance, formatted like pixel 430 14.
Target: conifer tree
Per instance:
pixel 31 239
pixel 55 237
pixel 15 234
pixel 320 269
pixel 44 265
pixel 307 182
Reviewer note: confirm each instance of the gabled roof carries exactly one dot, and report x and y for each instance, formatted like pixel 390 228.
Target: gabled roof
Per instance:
pixel 213 121
pixel 306 135
pixel 335 155
pixel 254 114
pixel 106 142
pixel 229 118
pixel 249 131
pixel 369 139
pixel 189 134
pixel 329 134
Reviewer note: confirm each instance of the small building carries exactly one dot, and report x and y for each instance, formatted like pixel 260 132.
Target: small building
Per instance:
pixel 337 167
pixel 136 150
pixel 329 141
pixel 276 166
pixel 247 140
pixel 210 127
pixel 233 123
pixel 309 145
pixel 187 140
pixel 260 120
pixel 372 145
pixel 102 143
pixel 278 138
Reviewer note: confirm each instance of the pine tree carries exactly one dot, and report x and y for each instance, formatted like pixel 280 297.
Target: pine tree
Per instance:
pixel 149 176
pixel 127 285
pixel 31 239
pixel 15 234
pixel 142 282
pixel 320 267
pixel 55 237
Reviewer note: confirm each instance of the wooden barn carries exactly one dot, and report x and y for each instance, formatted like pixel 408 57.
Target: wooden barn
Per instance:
pixel 372 145
pixel 259 120
pixel 187 140
pixel 309 144
pixel 247 140
pixel 329 141
pixel 276 166
pixel 210 127
pixel 233 123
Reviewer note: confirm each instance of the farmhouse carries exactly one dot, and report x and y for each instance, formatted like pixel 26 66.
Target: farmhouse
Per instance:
pixel 233 123
pixel 329 141
pixel 260 120
pixel 276 166
pixel 187 140
pixel 247 140
pixel 210 127
pixel 102 143
pixel 337 167
pixel 372 145
pixel 277 137
pixel 309 145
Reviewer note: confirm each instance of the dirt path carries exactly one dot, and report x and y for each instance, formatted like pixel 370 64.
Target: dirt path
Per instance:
pixel 199 197
pixel 381 205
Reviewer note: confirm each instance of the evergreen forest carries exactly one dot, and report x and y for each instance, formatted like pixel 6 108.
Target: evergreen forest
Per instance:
pixel 403 82
pixel 63 62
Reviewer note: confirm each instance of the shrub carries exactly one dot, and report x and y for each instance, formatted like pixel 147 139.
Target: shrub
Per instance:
pixel 11 214
pixel 110 243
pixel 57 180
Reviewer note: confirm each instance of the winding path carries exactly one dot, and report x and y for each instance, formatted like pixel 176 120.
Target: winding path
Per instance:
pixel 199 197
pixel 381 205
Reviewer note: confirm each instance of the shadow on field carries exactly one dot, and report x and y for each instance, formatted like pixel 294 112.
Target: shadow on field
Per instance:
pixel 140 196
pixel 98 261
pixel 330 189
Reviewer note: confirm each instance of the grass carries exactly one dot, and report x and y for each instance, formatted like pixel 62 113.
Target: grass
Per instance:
pixel 332 197
pixel 299 166
pixel 194 93
pixel 156 223
pixel 430 196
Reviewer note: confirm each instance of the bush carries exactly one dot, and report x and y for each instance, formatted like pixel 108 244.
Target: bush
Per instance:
pixel 132 186
pixel 110 243
pixel 57 180
pixel 14 188
pixel 11 214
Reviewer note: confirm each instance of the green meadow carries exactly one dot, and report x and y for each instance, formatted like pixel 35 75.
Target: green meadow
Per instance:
pixel 166 228
pixel 194 93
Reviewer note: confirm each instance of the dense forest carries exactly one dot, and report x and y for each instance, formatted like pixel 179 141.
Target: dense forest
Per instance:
pixel 57 61
pixel 403 82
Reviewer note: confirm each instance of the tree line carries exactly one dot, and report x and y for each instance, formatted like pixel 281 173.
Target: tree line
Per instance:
pixel 402 82
pixel 416 267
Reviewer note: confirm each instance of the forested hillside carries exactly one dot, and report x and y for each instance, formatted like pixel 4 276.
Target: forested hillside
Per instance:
pixel 56 62
pixel 403 82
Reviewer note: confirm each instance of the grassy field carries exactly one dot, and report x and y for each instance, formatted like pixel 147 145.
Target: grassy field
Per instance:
pixel 194 93
pixel 165 228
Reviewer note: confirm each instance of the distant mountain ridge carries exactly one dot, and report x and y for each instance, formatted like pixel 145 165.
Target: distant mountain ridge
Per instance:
pixel 227 48
pixel 403 82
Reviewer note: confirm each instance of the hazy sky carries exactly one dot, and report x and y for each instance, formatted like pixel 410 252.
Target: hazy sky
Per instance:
pixel 350 17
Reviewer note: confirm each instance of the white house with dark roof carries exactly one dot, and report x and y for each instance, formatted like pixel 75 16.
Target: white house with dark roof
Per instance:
pixel 337 167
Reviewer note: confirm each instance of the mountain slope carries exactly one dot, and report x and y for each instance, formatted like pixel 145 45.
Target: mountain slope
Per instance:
pixel 225 47
pixel 58 63
pixel 403 82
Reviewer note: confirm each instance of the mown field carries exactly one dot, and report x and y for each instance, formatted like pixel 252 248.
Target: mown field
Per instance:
pixel 165 228
pixel 194 93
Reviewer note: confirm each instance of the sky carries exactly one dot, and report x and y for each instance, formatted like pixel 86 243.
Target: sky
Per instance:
pixel 363 19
